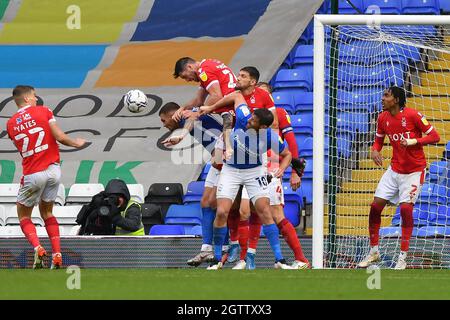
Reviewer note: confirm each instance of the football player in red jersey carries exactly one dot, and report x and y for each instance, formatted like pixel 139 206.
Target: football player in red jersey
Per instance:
pixel 34 132
pixel 402 182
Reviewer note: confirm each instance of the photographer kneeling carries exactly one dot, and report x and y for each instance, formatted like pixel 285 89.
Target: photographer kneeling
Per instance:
pixel 111 212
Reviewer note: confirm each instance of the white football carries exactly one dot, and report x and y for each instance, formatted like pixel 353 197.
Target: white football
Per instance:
pixel 135 100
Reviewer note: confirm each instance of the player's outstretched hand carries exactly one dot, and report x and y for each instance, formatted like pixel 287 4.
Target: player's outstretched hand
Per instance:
pixel 172 141
pixel 205 110
pixel 189 114
pixel 79 142
pixel 377 158
pixel 295 181
pixel 178 114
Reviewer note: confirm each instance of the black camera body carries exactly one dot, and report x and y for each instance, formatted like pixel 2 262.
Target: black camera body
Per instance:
pixel 108 207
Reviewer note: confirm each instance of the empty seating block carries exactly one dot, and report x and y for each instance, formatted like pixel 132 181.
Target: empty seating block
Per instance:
pixel 293 204
pixel 383 6
pixel 443 215
pixel 433 231
pixel 303 123
pixel 184 214
pixel 346 8
pixel 284 100
pixel 420 6
pixel 83 192
pixel 8 192
pixel 303 101
pixel 436 171
pixel 11 217
pixel 66 215
pixel 2 215
pixel 166 230
pixel 164 195
pixel 61 196
pixel 136 192
pixel 293 79
pixel 303 55
pixel 205 171
pixel 194 191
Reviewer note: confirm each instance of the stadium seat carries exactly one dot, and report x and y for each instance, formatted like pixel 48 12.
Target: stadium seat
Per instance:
pixel 303 123
pixel 445 6
pixel 151 215
pixel 194 191
pixel 284 100
pixel 385 6
pixel 66 215
pixel 9 192
pixel 447 151
pixel 193 230
pixel 352 121
pixel 166 230
pixel 308 34
pixel 136 192
pixel 301 138
pixel 356 52
pixel 443 215
pixel 433 231
pixel 82 193
pixel 416 32
pixel 303 101
pixel 11 217
pixel 61 196
pixel 354 101
pixel 298 79
pixel 293 204
pixel 424 214
pixel 165 194
pixel 306 148
pixel 394 232
pixel 436 171
pixel 432 193
pixel 346 8
pixel 303 55
pixel 184 214
pixel 73 231
pixel 205 171
pixel 306 188
pixel 420 7
pixel 16 231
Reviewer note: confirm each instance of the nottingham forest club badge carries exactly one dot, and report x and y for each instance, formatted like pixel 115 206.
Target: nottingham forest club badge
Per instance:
pixel 403 122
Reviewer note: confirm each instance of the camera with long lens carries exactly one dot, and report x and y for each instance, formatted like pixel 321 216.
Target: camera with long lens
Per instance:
pixel 109 206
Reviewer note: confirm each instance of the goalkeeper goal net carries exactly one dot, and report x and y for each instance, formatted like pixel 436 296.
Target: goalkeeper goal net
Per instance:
pixel 355 59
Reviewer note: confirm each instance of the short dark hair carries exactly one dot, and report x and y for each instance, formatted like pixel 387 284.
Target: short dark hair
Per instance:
pixel 168 107
pixel 399 93
pixel 265 117
pixel 180 65
pixel 262 83
pixel 20 90
pixel 252 71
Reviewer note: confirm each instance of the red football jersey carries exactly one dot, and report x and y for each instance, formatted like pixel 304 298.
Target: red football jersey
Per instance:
pixel 258 99
pixel 407 124
pixel 213 71
pixel 30 132
pixel 284 126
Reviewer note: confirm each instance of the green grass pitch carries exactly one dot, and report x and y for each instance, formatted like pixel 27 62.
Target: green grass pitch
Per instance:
pixel 181 284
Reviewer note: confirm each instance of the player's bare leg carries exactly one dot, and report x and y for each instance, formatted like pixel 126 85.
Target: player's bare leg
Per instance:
pixel 290 236
pixel 52 227
pixel 376 208
pixel 208 205
pixel 220 230
pixel 29 230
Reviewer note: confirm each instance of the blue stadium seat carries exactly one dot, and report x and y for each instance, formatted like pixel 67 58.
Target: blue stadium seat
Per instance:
pixel 353 101
pixel 436 171
pixel 308 34
pixel 424 214
pixel 305 147
pixel 284 100
pixel 433 193
pixel 433 231
pixel 303 56
pixel 205 171
pixel 166 230
pixel 184 214
pixel 357 51
pixel 445 6
pixel 194 191
pixel 417 32
pixel 420 7
pixel 399 53
pixel 193 230
pixel 301 138
pixel 293 204
pixel 385 6
pixel 352 121
pixel 303 123
pixel 307 191
pixel 298 79
pixel 324 7
pixel 346 8
pixel 387 232
pixel 303 101
pixel 447 150
pixel 443 215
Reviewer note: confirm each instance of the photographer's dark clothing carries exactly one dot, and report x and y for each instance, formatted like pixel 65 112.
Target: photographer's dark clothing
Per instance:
pixel 103 216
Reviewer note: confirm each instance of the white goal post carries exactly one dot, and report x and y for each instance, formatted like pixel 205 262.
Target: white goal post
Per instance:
pixel 321 36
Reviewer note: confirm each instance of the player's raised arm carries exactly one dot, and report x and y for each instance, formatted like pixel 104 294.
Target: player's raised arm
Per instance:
pixel 63 138
pixel 222 102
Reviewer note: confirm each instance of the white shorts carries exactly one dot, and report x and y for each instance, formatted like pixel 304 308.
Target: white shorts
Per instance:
pixel 38 186
pixel 212 177
pixel 398 188
pixel 276 192
pixel 253 179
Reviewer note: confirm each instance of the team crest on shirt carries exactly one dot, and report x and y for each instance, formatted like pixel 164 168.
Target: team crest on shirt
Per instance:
pixel 203 76
pixel 387 123
pixel 403 122
pixel 252 99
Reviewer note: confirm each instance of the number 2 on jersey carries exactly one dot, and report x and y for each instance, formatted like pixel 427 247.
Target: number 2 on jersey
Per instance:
pixel 231 83
pixel 26 140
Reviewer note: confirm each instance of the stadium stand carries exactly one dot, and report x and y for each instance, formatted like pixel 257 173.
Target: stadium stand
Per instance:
pixel 164 195
pixel 12 219
pixel 190 214
pixel 61 196
pixel 194 192
pixel 2 215
pixel 385 6
pixel 82 193
pixel 136 192
pixel 151 215
pixel 166 230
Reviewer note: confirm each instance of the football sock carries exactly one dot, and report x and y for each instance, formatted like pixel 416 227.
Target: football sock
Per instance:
pixel 406 211
pixel 254 230
pixel 291 238
pixel 29 231
pixel 243 238
pixel 271 232
pixel 207 224
pixel 374 223
pixel 233 225
pixel 52 227
pixel 219 238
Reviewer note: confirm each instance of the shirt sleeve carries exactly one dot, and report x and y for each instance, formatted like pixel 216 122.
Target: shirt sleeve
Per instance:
pixel 275 143
pixel 49 114
pixel 269 102
pixel 422 123
pixel 207 77
pixel 379 135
